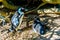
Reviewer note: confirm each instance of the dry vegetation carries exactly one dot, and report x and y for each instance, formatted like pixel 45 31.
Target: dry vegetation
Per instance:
pixel 29 34
pixel 52 20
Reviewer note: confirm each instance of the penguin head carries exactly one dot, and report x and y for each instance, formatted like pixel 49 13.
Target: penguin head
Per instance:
pixel 37 20
pixel 21 10
pixel 24 9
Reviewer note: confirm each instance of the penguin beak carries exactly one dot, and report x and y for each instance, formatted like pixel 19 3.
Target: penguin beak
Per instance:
pixel 24 10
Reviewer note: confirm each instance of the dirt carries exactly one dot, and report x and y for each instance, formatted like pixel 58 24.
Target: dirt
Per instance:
pixel 28 34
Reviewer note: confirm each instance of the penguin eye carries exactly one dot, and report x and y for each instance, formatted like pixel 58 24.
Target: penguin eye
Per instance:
pixel 22 9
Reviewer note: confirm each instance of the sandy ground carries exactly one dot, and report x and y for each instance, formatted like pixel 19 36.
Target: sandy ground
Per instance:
pixel 29 34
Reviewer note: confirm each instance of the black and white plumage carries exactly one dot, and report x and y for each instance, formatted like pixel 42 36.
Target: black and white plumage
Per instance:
pixel 38 27
pixel 16 18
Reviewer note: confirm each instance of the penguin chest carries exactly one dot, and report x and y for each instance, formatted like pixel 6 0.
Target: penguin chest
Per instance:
pixel 37 27
pixel 15 21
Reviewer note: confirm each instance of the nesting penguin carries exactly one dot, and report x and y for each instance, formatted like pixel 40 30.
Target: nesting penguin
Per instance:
pixel 17 19
pixel 38 27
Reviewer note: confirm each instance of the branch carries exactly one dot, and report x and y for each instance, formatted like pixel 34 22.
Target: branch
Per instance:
pixel 36 8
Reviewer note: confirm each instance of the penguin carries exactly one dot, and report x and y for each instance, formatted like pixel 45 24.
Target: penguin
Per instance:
pixel 16 18
pixel 38 27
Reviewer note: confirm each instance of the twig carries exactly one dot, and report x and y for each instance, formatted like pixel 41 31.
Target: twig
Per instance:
pixel 36 8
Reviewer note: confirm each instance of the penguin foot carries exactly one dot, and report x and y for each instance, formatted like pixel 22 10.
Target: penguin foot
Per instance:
pixel 19 30
pixel 9 30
